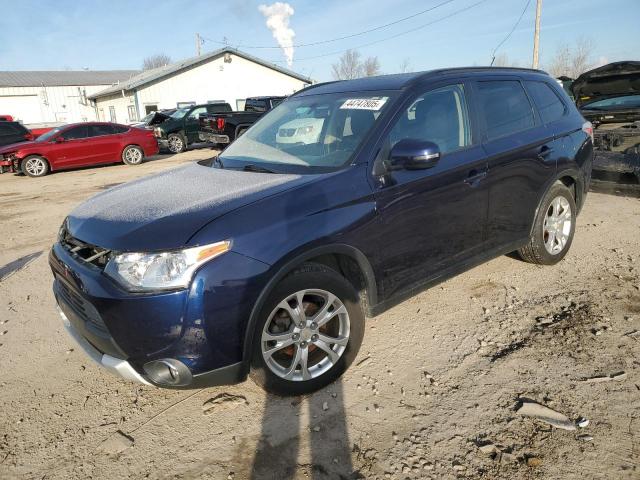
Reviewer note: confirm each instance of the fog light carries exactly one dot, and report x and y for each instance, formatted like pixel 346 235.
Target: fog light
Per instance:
pixel 168 371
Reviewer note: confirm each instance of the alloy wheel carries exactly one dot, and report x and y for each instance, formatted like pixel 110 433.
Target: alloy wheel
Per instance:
pixel 175 144
pixel 305 335
pixel 133 155
pixel 556 227
pixel 35 166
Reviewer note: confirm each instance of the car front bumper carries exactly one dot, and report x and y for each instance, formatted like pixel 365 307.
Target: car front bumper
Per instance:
pixel 115 365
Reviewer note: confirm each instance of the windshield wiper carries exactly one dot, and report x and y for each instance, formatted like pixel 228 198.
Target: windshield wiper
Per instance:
pixel 254 168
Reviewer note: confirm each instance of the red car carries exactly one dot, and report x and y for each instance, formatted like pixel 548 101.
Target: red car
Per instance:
pixel 79 145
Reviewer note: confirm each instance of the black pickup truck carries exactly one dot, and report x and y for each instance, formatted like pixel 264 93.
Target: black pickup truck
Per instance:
pixel 224 128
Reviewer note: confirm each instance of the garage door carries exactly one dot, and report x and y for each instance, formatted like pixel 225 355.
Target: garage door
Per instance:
pixel 25 108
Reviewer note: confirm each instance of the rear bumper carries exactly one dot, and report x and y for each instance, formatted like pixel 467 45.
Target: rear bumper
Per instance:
pixel 213 137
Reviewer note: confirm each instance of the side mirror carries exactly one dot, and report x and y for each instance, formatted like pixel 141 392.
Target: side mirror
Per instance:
pixel 413 154
pixel 60 139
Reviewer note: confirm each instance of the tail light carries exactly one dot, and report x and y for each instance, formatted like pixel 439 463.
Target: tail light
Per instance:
pixel 588 129
pixel 220 123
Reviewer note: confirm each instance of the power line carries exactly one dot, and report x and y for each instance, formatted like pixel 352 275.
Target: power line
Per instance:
pixel 337 39
pixel 493 54
pixel 453 14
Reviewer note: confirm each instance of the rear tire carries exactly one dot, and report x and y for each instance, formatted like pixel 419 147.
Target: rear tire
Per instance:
pixel 303 360
pixel 553 228
pixel 132 155
pixel 35 166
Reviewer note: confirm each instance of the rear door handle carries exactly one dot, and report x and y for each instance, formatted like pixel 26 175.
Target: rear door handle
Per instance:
pixel 475 176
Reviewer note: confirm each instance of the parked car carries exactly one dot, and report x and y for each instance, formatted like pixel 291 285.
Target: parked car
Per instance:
pixel 302 131
pixel 224 128
pixel 13 132
pixel 79 145
pixel 181 128
pixel 154 118
pixel 266 259
pixel 609 97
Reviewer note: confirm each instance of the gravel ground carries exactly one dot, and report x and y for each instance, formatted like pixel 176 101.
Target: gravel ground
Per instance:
pixel 433 393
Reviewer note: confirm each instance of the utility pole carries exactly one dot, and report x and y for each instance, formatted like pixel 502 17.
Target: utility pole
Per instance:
pixel 198 44
pixel 536 35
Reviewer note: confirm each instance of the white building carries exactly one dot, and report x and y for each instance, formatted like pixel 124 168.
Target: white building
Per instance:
pixel 36 97
pixel 226 75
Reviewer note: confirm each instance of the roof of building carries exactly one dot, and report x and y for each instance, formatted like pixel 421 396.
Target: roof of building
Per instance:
pixel 168 70
pixel 398 81
pixel 39 78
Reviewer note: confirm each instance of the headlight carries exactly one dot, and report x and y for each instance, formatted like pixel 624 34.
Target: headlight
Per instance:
pixel 305 130
pixel 161 270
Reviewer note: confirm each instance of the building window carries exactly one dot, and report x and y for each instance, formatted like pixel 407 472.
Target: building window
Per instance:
pixel 150 108
pixel 112 113
pixel 133 115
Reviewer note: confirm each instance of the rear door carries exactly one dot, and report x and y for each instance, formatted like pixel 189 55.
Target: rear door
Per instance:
pixel 434 218
pixel 104 142
pixel 520 157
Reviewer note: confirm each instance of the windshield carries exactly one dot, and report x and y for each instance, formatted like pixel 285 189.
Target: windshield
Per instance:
pixel 615 103
pixel 48 135
pixel 148 117
pixel 181 112
pixel 309 134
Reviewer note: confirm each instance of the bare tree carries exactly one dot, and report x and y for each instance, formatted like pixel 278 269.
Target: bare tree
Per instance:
pixel 155 61
pixel 371 67
pixel 572 62
pixel 405 66
pixel 352 66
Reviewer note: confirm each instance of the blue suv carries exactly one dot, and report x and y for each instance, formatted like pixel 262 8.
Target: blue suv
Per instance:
pixel 341 202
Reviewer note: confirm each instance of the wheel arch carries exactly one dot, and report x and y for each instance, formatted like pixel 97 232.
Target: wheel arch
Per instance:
pixel 571 179
pixel 345 259
pixel 242 126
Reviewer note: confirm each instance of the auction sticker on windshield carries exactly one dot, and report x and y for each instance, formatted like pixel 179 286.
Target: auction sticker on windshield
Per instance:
pixel 373 103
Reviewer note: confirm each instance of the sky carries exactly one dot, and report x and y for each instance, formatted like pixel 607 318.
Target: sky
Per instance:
pixel 119 34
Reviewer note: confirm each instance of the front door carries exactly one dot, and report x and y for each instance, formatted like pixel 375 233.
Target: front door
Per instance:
pixel 70 148
pixel 434 218
pixel 192 124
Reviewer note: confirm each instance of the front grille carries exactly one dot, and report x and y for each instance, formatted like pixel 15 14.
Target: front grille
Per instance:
pixel 81 307
pixel 86 252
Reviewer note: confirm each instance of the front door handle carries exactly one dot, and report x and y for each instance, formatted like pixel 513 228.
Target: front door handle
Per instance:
pixel 475 176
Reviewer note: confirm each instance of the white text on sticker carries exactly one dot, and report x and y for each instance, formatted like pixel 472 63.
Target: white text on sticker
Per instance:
pixel 364 103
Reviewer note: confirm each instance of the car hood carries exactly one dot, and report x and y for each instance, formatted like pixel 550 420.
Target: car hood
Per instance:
pixel 163 211
pixel 612 80
pixel 12 147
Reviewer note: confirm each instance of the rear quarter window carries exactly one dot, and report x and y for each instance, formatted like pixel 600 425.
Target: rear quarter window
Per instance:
pixel 546 99
pixel 505 108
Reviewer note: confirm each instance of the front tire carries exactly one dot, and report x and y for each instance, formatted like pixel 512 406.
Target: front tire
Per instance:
pixel 553 229
pixel 308 332
pixel 132 155
pixel 35 166
pixel 176 143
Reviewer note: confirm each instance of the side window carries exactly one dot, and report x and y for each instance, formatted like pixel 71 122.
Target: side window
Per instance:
pixel 195 114
pixel 439 116
pixel 75 133
pixel 100 130
pixel 549 105
pixel 120 129
pixel 505 107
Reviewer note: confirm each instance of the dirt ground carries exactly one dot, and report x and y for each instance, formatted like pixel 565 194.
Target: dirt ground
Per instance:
pixel 437 377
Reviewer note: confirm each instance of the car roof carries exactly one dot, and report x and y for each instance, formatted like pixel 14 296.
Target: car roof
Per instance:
pixel 400 81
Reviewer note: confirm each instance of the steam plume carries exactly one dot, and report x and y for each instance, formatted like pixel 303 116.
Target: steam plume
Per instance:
pixel 277 15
